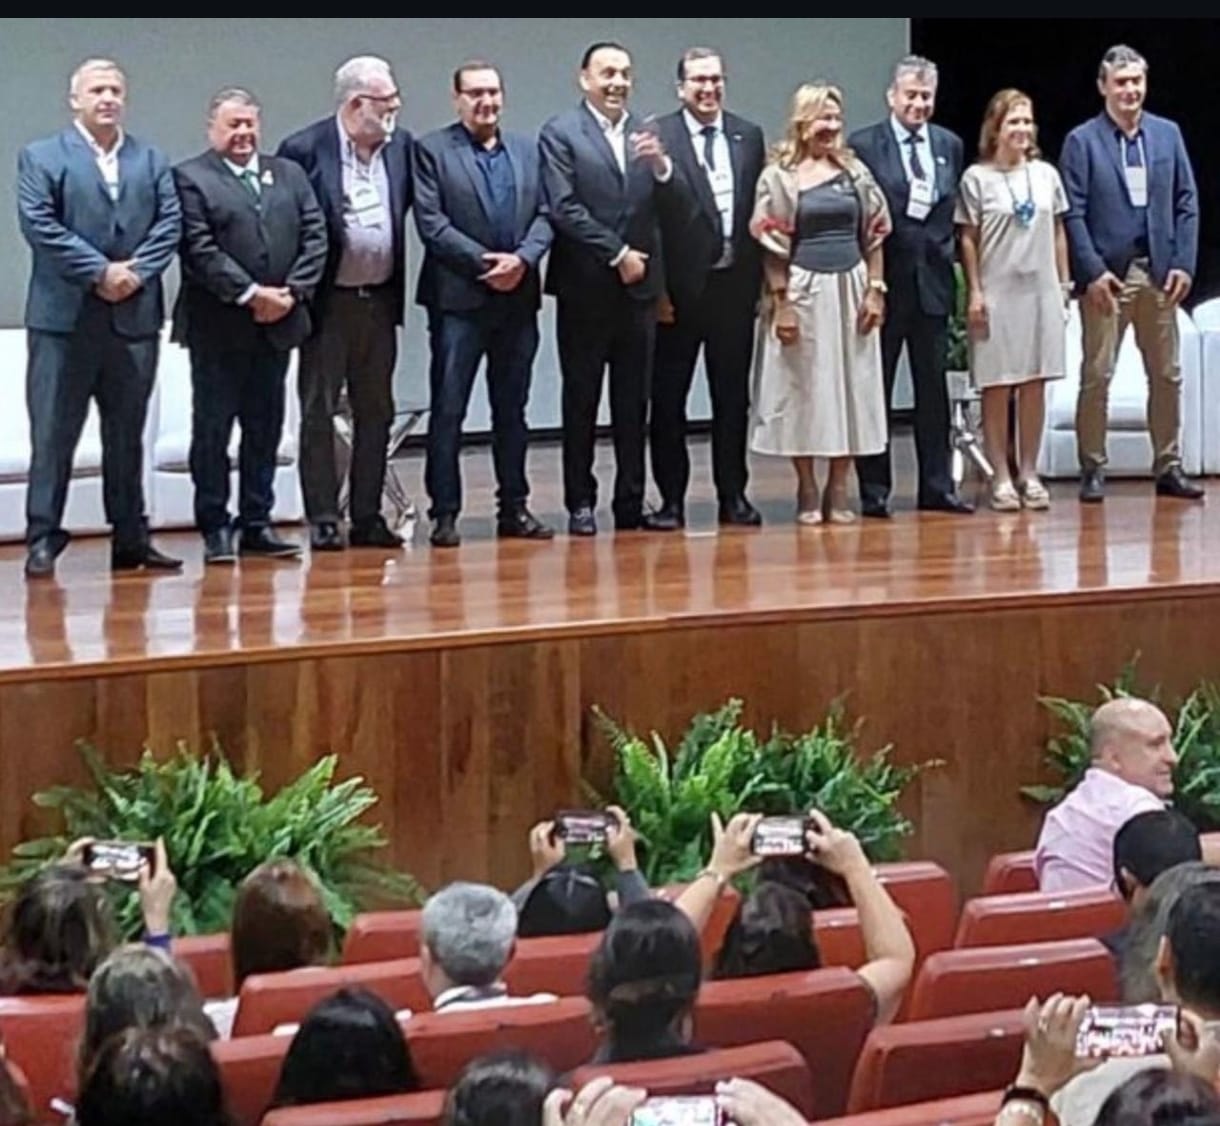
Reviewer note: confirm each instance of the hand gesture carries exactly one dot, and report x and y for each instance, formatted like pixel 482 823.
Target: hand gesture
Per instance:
pixel 633 267
pixel 747 1104
pixel 157 889
pixel 620 840
pixel 599 1103
pixel 546 849
pixel 1177 286
pixel 1193 1048
pixel 1103 293
pixel 504 272
pixel 271 304
pixel 1049 1058
pixel 732 844
pixel 836 850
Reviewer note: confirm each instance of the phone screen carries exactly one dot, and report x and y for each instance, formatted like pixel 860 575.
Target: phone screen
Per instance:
pixel 1125 1030
pixel 118 860
pixel 780 836
pixel 583 826
pixel 700 1110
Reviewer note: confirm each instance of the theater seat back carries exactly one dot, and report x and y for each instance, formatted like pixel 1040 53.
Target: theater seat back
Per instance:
pixel 1010 872
pixel 926 894
pixel 210 960
pixel 937 1059
pixel 427 1108
pixel 825 1015
pixel 551 965
pixel 711 938
pixel 968 1110
pixel 1001 920
pixel 381 936
pixel 249 1073
pixel 836 931
pixel 41 1034
pixel 985 978
pixel 778 1067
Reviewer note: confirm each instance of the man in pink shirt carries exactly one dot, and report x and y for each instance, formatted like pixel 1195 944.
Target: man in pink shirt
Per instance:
pixel 1131 772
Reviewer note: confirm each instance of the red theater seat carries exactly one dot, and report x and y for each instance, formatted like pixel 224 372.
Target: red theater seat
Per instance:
pixel 776 1066
pixel 837 933
pixel 1009 872
pixel 268 1000
pixel 1001 920
pixel 210 960
pixel 551 965
pixel 712 936
pixel 41 1035
pixel 379 936
pixel 937 1059
pixel 426 1108
pixel 249 1071
pixel 926 894
pixel 825 1015
pixel 967 1110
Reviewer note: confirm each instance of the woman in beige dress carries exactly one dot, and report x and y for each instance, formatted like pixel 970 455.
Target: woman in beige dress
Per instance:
pixel 821 219
pixel 1014 252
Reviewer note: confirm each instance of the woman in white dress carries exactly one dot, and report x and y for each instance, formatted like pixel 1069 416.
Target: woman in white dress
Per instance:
pixel 821 218
pixel 1014 253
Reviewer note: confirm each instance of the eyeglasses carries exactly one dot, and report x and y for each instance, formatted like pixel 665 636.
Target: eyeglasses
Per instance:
pixel 392 96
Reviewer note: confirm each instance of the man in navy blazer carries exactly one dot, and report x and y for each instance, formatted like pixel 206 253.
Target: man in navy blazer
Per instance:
pixel 359 165
pixel 481 216
pixel 1133 236
pixel 918 166
pixel 98 208
pixel 603 169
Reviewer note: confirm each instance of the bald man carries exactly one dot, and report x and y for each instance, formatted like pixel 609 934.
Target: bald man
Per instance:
pixel 1131 773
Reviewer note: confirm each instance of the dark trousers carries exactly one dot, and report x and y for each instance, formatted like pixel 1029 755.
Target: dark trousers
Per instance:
pixel 618 333
pixel 355 344
pixel 508 336
pixel 226 387
pixel 722 324
pixel 64 371
pixel 926 338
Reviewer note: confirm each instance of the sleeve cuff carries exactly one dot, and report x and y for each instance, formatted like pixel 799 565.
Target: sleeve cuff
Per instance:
pixel 159 941
pixel 619 257
pixel 667 175
pixel 247 294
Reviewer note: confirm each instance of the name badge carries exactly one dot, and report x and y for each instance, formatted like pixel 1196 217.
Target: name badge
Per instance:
pixel 920 201
pixel 1137 184
pixel 366 205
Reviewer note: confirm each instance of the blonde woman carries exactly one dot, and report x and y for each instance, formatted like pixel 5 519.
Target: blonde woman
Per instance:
pixel 821 219
pixel 1014 252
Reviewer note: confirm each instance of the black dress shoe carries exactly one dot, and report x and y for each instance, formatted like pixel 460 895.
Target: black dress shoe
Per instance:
pixel 740 512
pixel 40 561
pixel 326 536
pixel 1174 483
pixel 521 524
pixel 374 533
pixel 444 532
pixel 263 541
pixel 582 522
pixel 875 508
pixel 1093 486
pixel 218 546
pixel 142 558
pixel 667 518
pixel 947 502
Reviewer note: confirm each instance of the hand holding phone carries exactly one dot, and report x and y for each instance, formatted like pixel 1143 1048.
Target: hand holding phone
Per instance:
pixel 780 836
pixel 118 860
pixel 583 826
pixel 1126 1031
pixel 694 1110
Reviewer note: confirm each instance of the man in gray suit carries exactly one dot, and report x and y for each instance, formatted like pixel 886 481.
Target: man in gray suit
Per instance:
pixel 100 213
pixel 484 226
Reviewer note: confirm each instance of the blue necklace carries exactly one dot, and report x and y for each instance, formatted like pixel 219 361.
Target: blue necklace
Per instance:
pixel 1023 209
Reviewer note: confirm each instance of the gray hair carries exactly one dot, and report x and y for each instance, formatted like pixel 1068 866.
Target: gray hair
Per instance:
pixel 915 65
pixel 94 64
pixel 470 930
pixel 1120 55
pixel 353 76
pixel 236 94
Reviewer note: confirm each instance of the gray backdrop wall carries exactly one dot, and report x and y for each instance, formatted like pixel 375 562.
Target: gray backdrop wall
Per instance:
pixel 174 65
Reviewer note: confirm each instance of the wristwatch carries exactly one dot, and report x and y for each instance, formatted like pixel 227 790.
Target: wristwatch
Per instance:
pixel 1026 1095
pixel 879 285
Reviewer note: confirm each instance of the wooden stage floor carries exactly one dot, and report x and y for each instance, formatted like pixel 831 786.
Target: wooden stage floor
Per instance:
pixel 460 682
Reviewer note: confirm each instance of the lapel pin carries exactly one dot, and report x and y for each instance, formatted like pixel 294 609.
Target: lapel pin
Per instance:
pixel 267 177
pixel 940 160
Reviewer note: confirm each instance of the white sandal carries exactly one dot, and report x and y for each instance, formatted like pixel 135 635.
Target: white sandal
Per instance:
pixel 1034 495
pixel 1004 498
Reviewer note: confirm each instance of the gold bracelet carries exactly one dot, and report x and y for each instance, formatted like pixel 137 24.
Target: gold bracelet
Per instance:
pixel 720 880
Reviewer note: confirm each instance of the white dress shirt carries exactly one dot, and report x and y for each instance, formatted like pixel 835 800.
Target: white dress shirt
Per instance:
pixel 615 133
pixel 107 159
pixel 720 177
pixel 923 145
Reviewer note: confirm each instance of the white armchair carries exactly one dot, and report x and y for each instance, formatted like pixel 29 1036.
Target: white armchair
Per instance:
pixel 1129 447
pixel 1206 316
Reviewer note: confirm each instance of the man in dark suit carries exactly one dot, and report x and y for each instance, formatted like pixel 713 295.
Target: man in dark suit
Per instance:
pixel 1133 234
pixel 482 219
pixel 98 208
pixel 253 249
pixel 359 165
pixel 603 170
pixel 918 166
pixel 713 275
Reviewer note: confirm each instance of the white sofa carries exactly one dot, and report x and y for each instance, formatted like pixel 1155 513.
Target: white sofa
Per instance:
pixel 1128 444
pixel 1206 316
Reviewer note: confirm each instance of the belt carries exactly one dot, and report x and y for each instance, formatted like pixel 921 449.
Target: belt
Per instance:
pixel 364 292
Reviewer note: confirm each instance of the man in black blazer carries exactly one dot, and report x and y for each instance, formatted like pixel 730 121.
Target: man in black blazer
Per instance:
pixel 359 165
pixel 713 275
pixel 918 166
pixel 483 222
pixel 253 249
pixel 603 170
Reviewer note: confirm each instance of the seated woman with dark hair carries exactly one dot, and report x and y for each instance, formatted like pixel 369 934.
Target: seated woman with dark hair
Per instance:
pixel 505 1089
pixel 349 1047
pixel 772 933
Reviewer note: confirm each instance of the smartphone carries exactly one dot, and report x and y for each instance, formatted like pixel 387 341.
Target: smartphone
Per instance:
pixel 780 836
pixel 1125 1030
pixel 697 1110
pixel 119 860
pixel 583 826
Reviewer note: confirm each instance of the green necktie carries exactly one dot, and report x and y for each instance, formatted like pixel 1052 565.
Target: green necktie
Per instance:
pixel 250 178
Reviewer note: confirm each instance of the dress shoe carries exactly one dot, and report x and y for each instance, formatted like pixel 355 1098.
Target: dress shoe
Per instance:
pixel 740 512
pixel 218 546
pixel 326 536
pixel 40 561
pixel 444 532
pixel 876 508
pixel 521 524
pixel 1174 483
pixel 582 522
pixel 1093 486
pixel 374 533
pixel 263 541
pixel 143 557
pixel 947 502
pixel 667 518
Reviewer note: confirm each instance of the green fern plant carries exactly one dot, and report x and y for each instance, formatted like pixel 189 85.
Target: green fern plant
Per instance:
pixel 217 827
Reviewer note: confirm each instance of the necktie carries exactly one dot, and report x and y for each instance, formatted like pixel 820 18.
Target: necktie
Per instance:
pixel 709 147
pixel 912 140
pixel 250 179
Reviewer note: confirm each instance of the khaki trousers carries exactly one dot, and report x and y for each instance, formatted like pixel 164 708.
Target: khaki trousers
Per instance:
pixel 1143 304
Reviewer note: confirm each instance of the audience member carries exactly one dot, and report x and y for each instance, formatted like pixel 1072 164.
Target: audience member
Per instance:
pixel 350 1046
pixel 1149 844
pixel 1131 771
pixel 151 1077
pixel 772 933
pixel 469 934
pixel 1162 1098
pixel 601 1102
pixel 505 1089
pixel 822 889
pixel 565 898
